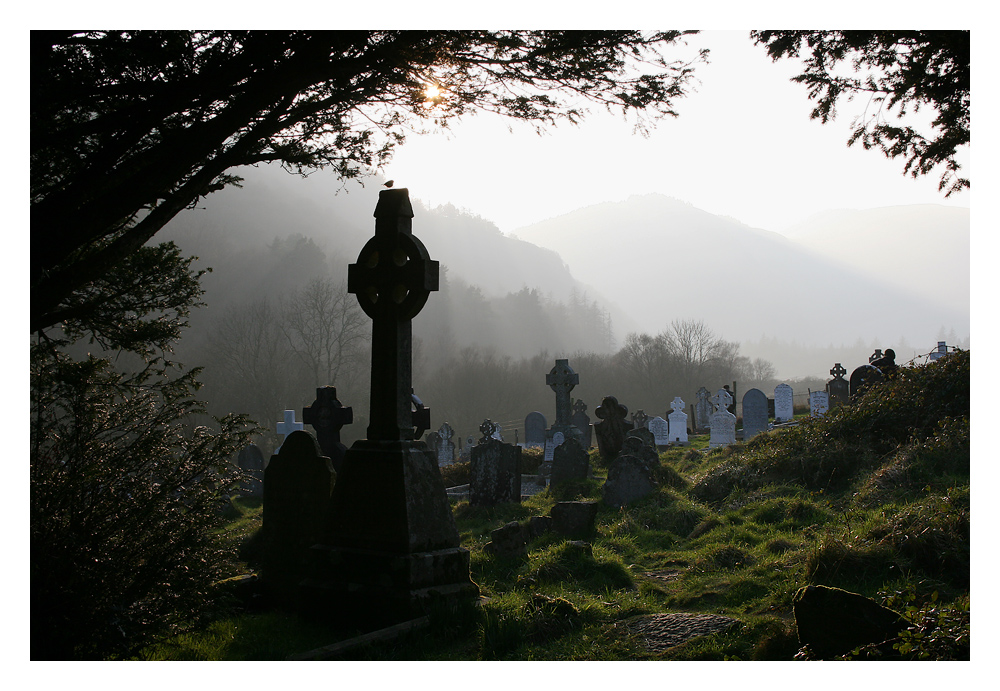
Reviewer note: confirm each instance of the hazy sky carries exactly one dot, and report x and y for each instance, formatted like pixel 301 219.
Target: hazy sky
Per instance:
pixel 743 146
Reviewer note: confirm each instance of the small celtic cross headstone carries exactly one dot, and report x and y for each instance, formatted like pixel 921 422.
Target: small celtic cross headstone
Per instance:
pixel 488 430
pixel 838 371
pixel 392 279
pixel 327 416
pixel 876 355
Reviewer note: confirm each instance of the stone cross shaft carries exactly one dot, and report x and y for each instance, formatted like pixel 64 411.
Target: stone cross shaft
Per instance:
pixel 392 279
pixel 562 379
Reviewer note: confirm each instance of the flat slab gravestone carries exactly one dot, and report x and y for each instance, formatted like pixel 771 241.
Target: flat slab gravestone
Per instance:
pixel 660 429
pixel 569 462
pixel 754 413
pixel 819 403
pixel 784 403
pixel 534 429
pixel 678 420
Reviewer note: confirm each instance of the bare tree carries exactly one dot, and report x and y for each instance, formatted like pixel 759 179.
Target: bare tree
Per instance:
pixel 324 327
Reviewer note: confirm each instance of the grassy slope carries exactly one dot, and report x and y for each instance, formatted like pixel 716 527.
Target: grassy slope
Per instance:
pixel 874 499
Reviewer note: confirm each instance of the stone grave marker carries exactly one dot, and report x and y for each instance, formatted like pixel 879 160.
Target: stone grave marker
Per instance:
pixel 641 448
pixel 495 470
pixel 640 419
pixel 703 410
pixel 612 427
pixel 862 379
pixel 643 434
pixel 251 462
pixel 629 479
pixel 942 350
pixel 784 403
pixel 723 423
pixel 569 462
pixel 298 484
pixel 534 429
pixel 678 420
pixel 838 388
pixel 581 421
pixel 562 379
pixel 551 443
pixel 390 538
pixel 819 403
pixel 661 430
pixel 754 413
pixel 445 447
pixel 287 426
pixel 327 416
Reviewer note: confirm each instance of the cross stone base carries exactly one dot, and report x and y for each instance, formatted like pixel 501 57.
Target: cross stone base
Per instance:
pixel 391 540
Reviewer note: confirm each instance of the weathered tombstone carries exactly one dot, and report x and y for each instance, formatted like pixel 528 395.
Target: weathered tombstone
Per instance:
pixel 562 379
pixel 433 441
pixel 678 420
pixel 661 430
pixel 551 443
pixel 611 429
pixel 495 471
pixel 862 379
pixel 445 447
pixel 569 462
pixel 723 423
pixel 644 435
pixel 534 429
pixel 703 410
pixel 298 483
pixel 838 388
pixel 875 356
pixel 327 416
pixel 942 350
pixel 639 419
pixel 784 403
pixel 287 426
pixel 581 421
pixel 391 539
pixel 643 449
pixel 251 462
pixel 754 413
pixel 629 479
pixel 819 403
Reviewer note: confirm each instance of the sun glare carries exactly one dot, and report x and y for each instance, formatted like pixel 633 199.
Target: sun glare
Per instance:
pixel 433 95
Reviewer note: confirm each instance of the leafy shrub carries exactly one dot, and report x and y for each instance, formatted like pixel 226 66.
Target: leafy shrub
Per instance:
pixel 456 474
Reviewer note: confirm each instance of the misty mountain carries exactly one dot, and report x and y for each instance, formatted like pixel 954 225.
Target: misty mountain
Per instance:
pixel 662 259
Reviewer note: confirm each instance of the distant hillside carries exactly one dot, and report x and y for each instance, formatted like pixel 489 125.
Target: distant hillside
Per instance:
pixel 923 249
pixel 663 259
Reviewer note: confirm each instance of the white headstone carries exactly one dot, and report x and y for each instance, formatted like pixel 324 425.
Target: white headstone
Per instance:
pixel 784 408
pixel 496 433
pixel 678 422
pixel 287 426
pixel 551 444
pixel 819 403
pixel 660 429
pixel 722 426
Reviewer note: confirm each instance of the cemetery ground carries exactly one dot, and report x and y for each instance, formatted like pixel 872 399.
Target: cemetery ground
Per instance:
pixel 873 498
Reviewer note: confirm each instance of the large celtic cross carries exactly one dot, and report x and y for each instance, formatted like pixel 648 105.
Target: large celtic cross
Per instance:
pixel 392 279
pixel 562 379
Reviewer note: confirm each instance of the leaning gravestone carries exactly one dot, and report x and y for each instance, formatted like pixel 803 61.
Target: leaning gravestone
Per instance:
pixel 784 403
pixel 661 430
pixel 569 462
pixel 251 462
pixel 678 420
pixel 838 387
pixel 703 410
pixel 863 378
pixel 819 403
pixel 534 429
pixel 327 416
pixel 495 471
pixel 612 428
pixel 298 483
pixel 390 540
pixel 723 423
pixel 581 421
pixel 754 413
pixel 629 479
